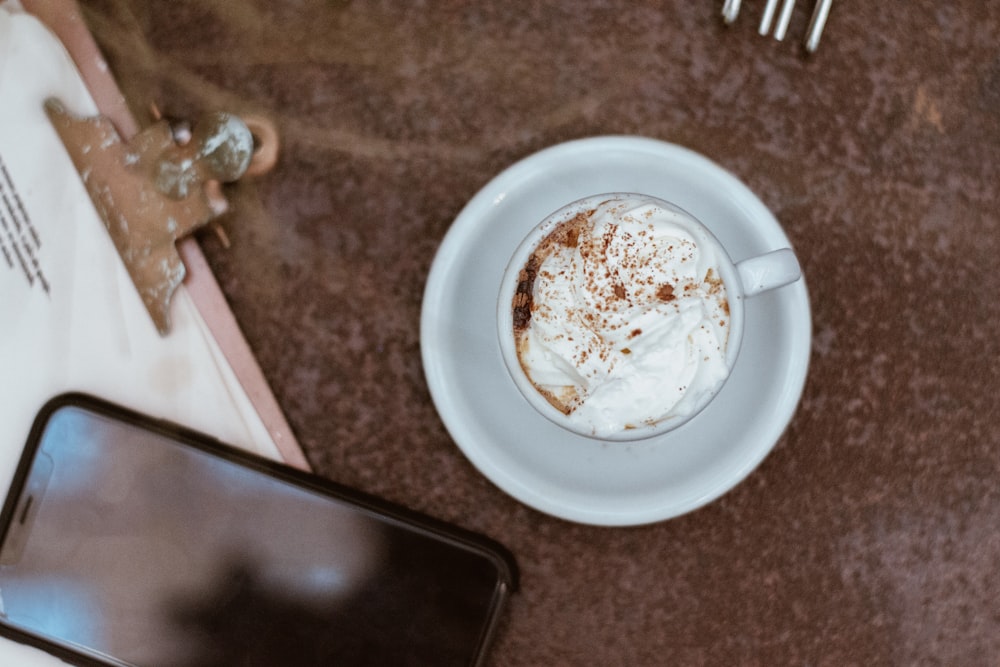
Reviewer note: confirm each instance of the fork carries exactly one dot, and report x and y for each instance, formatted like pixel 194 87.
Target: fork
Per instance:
pixel 816 24
pixel 783 18
pixel 731 8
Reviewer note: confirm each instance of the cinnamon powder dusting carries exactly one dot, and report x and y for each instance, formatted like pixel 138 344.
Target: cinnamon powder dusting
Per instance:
pixel 565 234
pixel 610 264
pixel 715 284
pixel 522 300
pixel 666 293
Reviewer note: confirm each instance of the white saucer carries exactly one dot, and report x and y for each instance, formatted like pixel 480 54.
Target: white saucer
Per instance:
pixel 532 459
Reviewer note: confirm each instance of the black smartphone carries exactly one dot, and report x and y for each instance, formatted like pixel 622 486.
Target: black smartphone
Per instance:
pixel 127 540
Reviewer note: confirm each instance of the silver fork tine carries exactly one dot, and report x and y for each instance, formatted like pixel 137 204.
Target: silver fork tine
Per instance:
pixel 765 20
pixel 783 19
pixel 821 10
pixel 730 10
pixel 816 24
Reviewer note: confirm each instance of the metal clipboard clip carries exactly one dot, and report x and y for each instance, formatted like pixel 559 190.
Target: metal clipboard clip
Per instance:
pixel 155 188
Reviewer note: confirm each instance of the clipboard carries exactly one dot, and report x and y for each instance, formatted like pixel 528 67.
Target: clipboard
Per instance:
pixel 64 20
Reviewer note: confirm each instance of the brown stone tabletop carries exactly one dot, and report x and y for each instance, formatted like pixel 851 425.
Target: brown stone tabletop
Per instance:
pixel 871 533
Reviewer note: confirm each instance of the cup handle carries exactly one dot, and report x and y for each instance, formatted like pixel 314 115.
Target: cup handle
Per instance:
pixel 768 271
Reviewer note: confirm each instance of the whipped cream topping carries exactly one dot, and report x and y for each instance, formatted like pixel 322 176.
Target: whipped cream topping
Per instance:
pixel 627 320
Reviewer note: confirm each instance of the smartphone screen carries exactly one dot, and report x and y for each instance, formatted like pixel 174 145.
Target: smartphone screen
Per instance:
pixel 134 542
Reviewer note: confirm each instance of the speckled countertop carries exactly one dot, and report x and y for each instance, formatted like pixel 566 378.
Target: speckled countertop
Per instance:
pixel 871 534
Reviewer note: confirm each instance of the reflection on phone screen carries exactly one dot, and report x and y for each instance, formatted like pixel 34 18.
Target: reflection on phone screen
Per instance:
pixel 153 552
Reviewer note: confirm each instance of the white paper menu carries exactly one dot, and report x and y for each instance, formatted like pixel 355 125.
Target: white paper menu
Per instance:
pixel 70 318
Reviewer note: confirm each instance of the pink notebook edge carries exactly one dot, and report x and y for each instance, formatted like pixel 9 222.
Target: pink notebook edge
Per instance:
pixel 64 19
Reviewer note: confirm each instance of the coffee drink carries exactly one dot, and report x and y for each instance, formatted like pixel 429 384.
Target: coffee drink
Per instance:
pixel 621 317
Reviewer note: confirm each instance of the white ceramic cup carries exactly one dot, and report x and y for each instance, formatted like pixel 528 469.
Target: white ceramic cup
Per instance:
pixel 742 280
